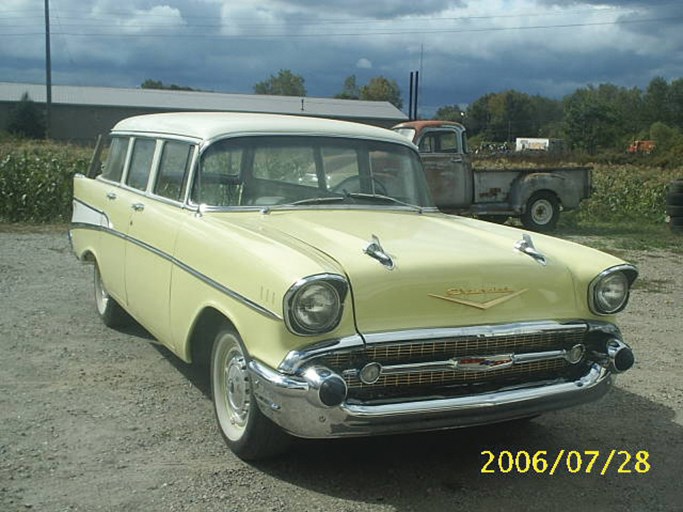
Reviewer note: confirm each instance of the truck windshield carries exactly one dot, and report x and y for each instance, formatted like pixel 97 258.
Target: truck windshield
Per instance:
pixel 267 171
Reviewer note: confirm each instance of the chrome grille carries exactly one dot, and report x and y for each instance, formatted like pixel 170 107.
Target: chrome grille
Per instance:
pixel 434 350
pixel 454 377
pixel 347 363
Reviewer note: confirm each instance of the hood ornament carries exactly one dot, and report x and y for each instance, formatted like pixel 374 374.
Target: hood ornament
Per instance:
pixel 526 246
pixel 374 250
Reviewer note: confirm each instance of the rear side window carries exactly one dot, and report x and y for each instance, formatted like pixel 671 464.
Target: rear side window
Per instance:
pixel 173 168
pixel 141 163
pixel 115 159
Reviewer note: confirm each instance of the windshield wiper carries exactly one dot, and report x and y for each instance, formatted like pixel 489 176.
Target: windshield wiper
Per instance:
pixel 352 196
pixel 320 200
pixel 383 199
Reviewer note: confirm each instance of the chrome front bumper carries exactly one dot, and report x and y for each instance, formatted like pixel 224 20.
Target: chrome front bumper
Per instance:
pixel 293 403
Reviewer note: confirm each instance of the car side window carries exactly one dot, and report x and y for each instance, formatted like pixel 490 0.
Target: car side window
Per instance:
pixel 175 162
pixel 448 142
pixel 217 182
pixel 141 163
pixel 116 159
pixel 427 144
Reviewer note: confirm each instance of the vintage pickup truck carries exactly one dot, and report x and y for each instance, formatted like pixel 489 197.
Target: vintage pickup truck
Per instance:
pixel 536 195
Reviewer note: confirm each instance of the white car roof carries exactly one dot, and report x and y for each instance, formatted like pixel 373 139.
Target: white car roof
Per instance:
pixel 212 125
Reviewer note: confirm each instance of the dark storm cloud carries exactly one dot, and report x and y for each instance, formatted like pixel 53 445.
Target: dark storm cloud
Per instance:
pixel 464 49
pixel 380 9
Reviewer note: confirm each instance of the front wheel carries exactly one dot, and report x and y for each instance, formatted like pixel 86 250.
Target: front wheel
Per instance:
pixel 248 433
pixel 542 212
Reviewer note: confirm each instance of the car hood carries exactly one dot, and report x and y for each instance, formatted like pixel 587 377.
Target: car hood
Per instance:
pixel 449 271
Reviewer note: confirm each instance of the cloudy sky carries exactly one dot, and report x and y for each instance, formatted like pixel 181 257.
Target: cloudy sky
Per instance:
pixel 463 48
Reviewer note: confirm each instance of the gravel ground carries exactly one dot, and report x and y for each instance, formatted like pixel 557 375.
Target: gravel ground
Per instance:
pixel 98 419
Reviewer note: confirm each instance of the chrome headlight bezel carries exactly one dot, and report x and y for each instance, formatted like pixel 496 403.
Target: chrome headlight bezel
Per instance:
pixel 334 286
pixel 599 302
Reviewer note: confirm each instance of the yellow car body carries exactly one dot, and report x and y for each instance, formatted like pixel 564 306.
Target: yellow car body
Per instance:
pixel 337 301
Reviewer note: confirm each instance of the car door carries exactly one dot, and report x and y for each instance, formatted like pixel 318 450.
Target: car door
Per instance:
pixel 108 197
pixel 447 168
pixel 158 171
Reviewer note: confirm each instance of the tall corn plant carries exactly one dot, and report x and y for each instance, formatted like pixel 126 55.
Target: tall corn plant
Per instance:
pixel 36 180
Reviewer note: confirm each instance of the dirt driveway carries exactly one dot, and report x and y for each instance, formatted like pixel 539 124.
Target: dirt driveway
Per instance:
pixel 96 419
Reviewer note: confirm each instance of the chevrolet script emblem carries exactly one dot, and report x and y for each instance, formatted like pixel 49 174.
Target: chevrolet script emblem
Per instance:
pixel 492 296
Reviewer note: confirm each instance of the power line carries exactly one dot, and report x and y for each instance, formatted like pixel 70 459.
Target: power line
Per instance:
pixel 388 32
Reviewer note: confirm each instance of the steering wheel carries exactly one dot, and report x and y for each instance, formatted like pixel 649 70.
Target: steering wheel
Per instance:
pixel 343 185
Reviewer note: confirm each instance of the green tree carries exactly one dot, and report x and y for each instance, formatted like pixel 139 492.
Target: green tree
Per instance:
pixel 503 116
pixel 590 120
pixel 381 88
pixel 158 84
pixel 656 101
pixel 285 83
pixel 676 102
pixel 450 113
pixel 351 90
pixel 26 119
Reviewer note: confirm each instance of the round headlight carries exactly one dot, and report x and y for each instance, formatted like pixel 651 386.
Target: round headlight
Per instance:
pixel 315 308
pixel 610 293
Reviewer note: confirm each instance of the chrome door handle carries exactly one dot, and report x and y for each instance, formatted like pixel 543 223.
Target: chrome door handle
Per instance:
pixel 138 207
pixel 111 196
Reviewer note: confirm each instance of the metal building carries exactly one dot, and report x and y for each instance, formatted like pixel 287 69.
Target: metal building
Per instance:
pixel 79 114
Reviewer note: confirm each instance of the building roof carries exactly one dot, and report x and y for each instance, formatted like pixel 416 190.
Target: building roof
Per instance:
pixel 211 125
pixel 163 99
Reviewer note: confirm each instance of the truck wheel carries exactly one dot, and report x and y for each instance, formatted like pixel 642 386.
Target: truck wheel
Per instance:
pixel 248 433
pixel 542 212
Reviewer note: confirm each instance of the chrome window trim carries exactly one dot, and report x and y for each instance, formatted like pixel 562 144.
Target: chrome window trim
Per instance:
pixel 631 272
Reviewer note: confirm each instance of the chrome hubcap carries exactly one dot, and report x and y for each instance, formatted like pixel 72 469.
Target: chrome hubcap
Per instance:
pixel 542 211
pixel 237 392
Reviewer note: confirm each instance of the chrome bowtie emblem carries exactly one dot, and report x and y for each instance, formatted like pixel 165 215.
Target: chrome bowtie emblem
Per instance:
pixel 484 363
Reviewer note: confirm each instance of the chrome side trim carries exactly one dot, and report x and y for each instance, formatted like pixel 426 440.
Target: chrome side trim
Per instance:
pixel 202 277
pixel 85 215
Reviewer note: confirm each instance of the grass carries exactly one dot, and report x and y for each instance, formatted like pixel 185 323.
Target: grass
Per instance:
pixel 623 236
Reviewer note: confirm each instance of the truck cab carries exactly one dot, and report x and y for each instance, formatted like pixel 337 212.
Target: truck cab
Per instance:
pixel 535 195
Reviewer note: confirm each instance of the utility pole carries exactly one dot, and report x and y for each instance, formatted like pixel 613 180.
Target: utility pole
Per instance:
pixel 48 71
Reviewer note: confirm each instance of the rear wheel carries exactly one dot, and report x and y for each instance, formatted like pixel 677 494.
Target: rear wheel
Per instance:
pixel 110 312
pixel 542 212
pixel 248 433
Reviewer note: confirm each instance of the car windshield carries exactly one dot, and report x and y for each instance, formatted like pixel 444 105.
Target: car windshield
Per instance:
pixel 269 171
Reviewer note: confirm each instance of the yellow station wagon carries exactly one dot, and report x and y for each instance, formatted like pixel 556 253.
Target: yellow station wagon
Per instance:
pixel 302 262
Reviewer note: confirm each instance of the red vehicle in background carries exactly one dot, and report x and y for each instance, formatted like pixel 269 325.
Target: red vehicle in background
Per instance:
pixel 642 146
